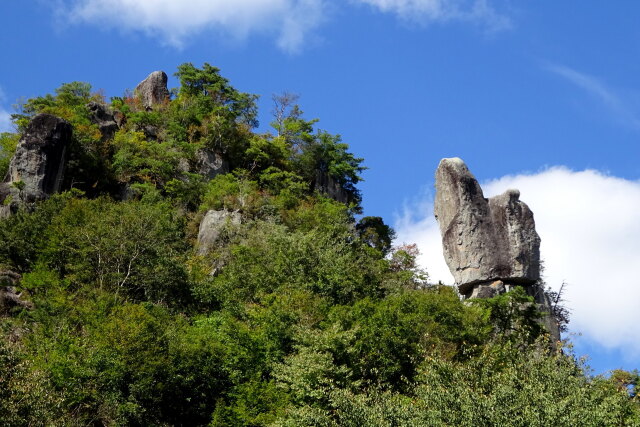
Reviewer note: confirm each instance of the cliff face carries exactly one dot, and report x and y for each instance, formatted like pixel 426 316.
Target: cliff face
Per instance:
pixel 490 245
pixel 37 167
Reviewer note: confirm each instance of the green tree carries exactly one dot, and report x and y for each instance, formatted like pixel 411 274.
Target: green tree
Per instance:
pixel 132 249
pixel 376 233
pixel 8 144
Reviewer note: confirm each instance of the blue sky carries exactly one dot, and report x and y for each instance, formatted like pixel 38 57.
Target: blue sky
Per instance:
pixel 543 95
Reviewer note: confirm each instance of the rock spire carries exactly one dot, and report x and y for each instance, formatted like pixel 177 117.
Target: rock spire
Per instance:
pixel 484 239
pixel 490 245
pixel 153 90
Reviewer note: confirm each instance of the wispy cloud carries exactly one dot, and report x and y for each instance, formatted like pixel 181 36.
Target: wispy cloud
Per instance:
pixel 608 97
pixel 291 22
pixel 428 11
pixel 174 22
pixel 589 228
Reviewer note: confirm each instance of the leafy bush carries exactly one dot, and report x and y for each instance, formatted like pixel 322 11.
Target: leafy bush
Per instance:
pixel 132 249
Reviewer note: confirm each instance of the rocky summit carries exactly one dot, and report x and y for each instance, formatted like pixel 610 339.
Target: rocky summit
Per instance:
pixel 484 239
pixel 193 270
pixel 153 90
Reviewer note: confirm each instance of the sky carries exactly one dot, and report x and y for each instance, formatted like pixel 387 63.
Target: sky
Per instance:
pixel 542 96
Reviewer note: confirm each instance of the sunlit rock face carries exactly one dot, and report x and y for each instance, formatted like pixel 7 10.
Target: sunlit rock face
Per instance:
pixel 484 239
pixel 210 163
pixel 212 226
pixel 153 90
pixel 490 245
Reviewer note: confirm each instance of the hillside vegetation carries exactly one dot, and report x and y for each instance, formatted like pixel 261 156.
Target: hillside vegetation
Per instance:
pixel 302 314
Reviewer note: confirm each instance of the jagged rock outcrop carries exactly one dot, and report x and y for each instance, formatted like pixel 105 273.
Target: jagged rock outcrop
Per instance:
pixel 104 118
pixel 210 164
pixel 153 90
pixel 37 168
pixel 484 239
pixel 490 245
pixel 211 227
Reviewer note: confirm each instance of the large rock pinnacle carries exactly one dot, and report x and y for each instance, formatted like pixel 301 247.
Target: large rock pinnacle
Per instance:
pixel 37 168
pixel 490 245
pixel 484 239
pixel 153 90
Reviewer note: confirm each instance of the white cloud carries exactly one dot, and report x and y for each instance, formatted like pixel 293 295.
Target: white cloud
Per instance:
pixel 589 224
pixel 290 21
pixel 175 21
pixel 418 225
pixel 426 11
pixel 609 98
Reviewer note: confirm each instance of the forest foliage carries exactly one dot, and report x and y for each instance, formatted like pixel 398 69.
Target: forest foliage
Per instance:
pixel 303 314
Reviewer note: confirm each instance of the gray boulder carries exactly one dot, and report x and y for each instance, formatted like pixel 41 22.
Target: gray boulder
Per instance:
pixel 212 226
pixel 36 170
pixel 489 289
pixel 484 239
pixel 153 90
pixel 210 164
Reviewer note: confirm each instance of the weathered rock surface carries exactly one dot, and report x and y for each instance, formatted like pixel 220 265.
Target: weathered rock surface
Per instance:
pixel 210 164
pixel 212 226
pixel 484 239
pixel 104 118
pixel 153 90
pixel 39 161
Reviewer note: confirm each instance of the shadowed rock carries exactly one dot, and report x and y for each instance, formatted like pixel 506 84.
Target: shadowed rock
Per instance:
pixel 104 118
pixel 484 239
pixel 210 164
pixel 330 187
pixel 153 90
pixel 37 168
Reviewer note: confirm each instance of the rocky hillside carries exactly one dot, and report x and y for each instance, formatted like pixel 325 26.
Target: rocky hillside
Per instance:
pixel 163 263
